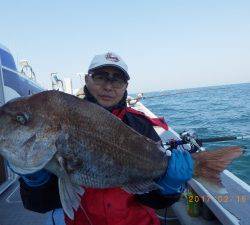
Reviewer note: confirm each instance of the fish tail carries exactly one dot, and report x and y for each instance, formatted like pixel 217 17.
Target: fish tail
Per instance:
pixel 209 164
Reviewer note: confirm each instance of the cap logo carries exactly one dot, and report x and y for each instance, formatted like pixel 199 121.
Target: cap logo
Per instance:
pixel 111 57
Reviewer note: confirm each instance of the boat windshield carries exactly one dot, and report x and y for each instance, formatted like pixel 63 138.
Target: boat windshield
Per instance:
pixel 7 59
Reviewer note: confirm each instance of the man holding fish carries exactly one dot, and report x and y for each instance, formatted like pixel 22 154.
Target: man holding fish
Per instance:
pixel 106 85
pixel 76 155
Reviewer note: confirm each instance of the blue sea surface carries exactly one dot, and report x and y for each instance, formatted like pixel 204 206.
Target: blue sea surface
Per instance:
pixel 209 112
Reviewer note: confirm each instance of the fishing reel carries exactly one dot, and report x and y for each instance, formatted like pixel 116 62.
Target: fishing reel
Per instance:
pixel 189 141
pixel 187 138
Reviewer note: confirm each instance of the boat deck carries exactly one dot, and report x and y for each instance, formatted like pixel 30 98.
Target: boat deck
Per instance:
pixel 12 211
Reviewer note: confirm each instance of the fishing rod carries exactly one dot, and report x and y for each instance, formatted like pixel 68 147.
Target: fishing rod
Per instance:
pixel 169 94
pixel 225 138
pixel 196 144
pixel 140 95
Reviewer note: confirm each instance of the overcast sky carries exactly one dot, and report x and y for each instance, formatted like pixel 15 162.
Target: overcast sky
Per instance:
pixel 166 44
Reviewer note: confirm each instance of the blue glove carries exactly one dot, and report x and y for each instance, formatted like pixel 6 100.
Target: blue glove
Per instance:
pixel 36 179
pixel 180 170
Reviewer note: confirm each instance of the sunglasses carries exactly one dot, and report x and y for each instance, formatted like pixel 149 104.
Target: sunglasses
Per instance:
pixel 100 78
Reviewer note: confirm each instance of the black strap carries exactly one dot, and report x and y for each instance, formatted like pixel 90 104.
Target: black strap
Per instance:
pixel 53 220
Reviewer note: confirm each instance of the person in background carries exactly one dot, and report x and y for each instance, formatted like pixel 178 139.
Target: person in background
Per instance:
pixel 106 85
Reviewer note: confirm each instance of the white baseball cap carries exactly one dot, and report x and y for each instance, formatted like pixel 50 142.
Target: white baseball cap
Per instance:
pixel 109 59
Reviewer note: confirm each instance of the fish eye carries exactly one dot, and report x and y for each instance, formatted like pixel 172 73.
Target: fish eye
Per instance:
pixel 22 118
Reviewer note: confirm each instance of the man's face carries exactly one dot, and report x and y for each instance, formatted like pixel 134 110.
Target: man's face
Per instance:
pixel 108 92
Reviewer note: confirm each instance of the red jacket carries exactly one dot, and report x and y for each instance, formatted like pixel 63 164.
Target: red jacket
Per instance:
pixel 113 206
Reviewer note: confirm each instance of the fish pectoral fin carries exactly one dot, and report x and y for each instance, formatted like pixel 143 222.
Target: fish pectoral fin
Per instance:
pixel 141 188
pixel 70 196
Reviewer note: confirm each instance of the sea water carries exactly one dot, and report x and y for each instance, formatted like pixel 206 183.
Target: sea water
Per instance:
pixel 209 112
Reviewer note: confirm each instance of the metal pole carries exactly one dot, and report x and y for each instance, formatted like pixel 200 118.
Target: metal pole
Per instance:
pixel 2 99
pixel 3 172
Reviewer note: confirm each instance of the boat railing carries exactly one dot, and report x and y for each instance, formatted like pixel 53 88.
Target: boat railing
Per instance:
pixel 27 70
pixel 1 85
